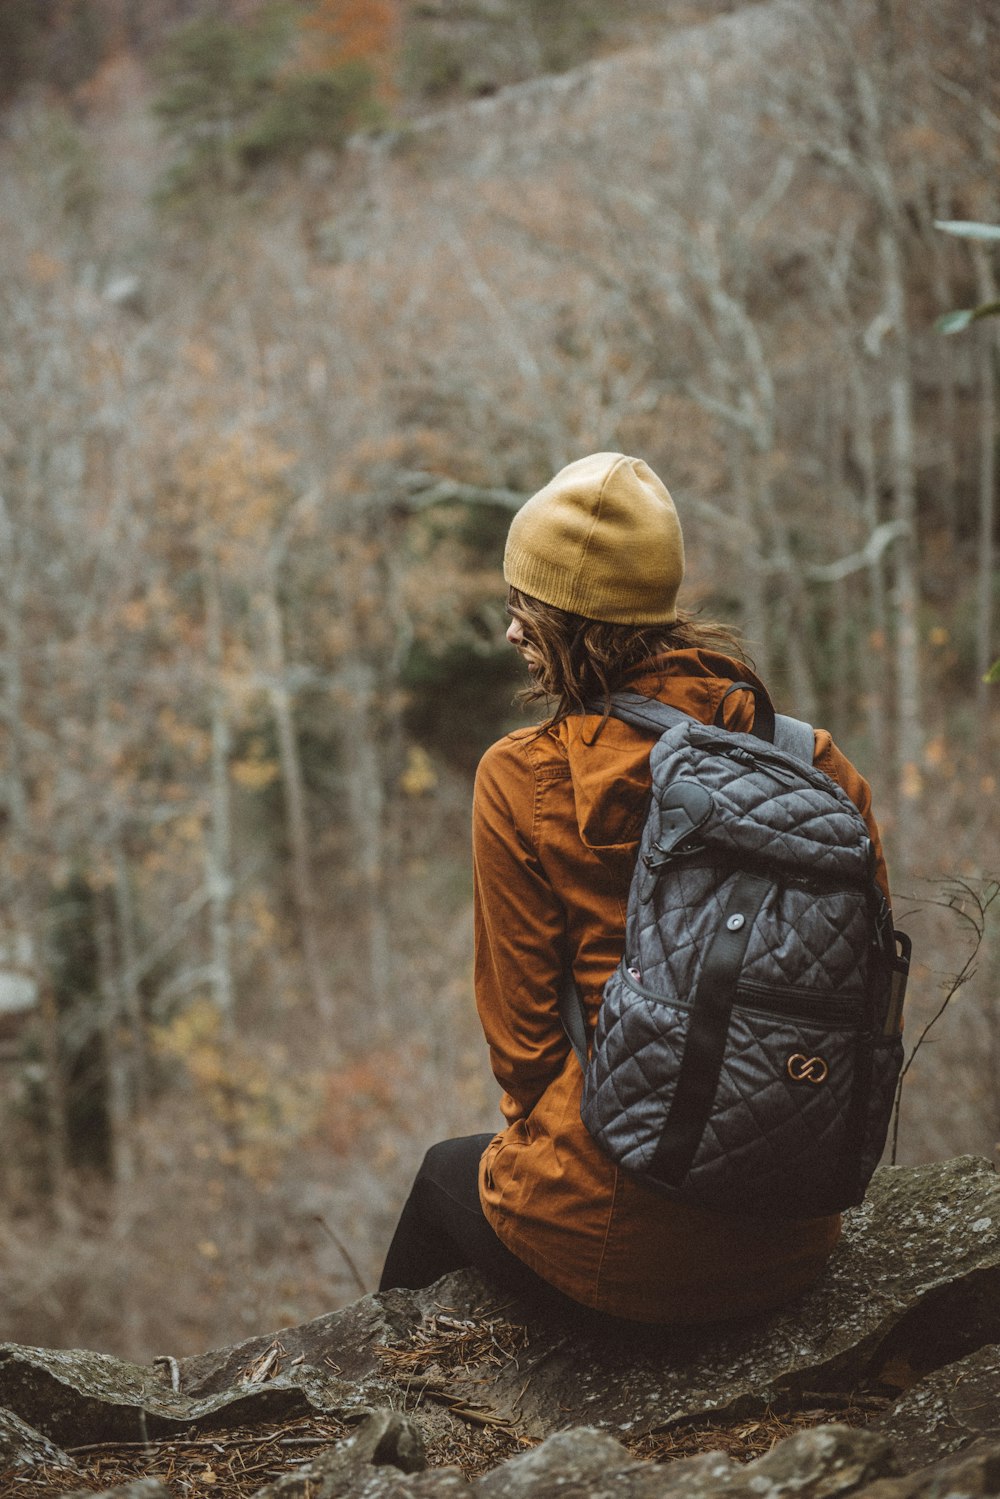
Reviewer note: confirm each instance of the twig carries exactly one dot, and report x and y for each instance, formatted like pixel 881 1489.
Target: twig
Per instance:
pixel 173 1369
pixel 265 1366
pixel 976 919
pixel 355 1272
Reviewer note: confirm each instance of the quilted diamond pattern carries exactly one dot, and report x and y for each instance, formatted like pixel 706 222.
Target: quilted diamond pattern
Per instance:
pixel 771 1143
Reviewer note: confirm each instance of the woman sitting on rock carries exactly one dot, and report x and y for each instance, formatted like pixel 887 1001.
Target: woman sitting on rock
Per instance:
pixel 594 562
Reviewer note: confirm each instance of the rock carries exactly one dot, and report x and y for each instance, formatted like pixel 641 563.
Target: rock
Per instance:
pixel 949 1409
pixel 21 1446
pixel 965 1476
pixel 823 1463
pixel 582 1461
pixel 387 1440
pixel 80 1397
pixel 912 1294
pixel 820 1463
pixel 908 1279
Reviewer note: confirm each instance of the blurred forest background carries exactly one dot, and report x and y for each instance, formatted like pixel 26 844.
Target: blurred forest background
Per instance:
pixel 298 301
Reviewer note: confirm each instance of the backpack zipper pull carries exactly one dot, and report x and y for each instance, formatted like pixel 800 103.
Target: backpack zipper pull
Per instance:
pixel 763 763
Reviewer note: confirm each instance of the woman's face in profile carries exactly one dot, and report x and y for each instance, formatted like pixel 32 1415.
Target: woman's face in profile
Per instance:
pixel 517 638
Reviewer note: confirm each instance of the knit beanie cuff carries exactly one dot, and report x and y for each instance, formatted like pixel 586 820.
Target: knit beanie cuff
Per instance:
pixel 612 599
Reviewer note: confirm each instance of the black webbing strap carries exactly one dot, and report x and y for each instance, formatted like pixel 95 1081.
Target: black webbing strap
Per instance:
pixel 706 1037
pixel 763 710
pixel 572 1017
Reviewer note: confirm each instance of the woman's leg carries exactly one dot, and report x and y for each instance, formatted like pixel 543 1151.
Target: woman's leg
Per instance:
pixel 442 1226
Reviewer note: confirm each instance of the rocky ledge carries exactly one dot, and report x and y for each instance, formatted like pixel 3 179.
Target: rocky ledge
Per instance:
pixel 882 1381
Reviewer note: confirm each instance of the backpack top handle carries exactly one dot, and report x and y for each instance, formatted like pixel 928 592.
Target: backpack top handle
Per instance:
pixel 763 715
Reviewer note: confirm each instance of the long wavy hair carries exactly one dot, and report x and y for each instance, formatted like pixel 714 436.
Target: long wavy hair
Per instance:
pixel 579 661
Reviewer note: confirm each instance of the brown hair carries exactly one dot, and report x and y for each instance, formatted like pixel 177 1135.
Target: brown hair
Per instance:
pixel 585 660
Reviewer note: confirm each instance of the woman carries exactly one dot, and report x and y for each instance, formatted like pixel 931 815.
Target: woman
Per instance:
pixel 594 563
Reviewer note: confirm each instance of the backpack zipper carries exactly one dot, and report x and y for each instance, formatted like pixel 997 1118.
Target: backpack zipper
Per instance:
pixel 846 1014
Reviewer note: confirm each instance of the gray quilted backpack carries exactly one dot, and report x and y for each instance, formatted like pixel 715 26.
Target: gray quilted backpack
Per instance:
pixel 748 1045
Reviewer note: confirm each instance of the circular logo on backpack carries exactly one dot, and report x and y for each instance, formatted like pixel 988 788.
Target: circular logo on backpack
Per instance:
pixel 802 1069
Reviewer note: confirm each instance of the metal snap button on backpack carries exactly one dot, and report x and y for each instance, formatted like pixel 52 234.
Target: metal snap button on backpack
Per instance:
pixel 735 922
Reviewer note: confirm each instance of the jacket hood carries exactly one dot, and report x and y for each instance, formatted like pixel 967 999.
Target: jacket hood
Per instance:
pixel 610 772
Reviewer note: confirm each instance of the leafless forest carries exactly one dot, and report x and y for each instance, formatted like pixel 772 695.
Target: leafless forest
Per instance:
pixel 296 305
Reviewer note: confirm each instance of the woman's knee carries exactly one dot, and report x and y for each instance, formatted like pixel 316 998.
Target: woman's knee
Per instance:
pixel 454 1164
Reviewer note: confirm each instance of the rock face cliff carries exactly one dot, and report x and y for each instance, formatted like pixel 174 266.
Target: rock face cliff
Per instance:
pixel 882 1381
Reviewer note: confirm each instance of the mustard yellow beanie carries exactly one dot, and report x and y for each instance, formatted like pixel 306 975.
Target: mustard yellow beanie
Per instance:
pixel 602 539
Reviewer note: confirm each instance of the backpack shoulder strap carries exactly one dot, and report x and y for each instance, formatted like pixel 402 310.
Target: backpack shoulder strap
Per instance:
pixel 645 712
pixel 794 737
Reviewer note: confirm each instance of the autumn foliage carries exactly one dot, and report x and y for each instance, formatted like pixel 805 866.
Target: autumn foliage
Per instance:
pixel 365 31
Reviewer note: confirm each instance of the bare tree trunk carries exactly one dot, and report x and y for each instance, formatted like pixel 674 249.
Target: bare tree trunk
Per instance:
pixel 23 912
pixel 905 592
pixel 218 844
pixel 902 444
pixel 875 653
pixel 789 603
pixel 366 815
pixel 988 437
pixel 989 347
pixel 295 802
pixel 115 1045
pixel 756 622
pixel 129 969
pixel 949 402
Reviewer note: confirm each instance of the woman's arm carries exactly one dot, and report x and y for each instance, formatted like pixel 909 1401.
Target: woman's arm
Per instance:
pixel 830 759
pixel 519 932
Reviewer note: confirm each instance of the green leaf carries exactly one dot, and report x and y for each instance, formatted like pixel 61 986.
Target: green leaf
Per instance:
pixel 968 228
pixel 954 322
pixel 993 675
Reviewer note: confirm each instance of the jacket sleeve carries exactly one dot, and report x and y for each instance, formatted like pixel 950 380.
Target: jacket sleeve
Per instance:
pixel 519 933
pixel 836 765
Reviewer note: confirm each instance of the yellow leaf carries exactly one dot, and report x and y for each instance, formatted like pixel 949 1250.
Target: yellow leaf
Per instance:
pixel 911 783
pixel 936 751
pixel 419 777
pixel 254 775
pixel 43 268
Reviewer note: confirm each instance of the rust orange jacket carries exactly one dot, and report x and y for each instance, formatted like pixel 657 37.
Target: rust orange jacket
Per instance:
pixel 556 822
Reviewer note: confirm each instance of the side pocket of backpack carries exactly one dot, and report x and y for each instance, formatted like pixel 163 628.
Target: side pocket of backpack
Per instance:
pixel 630 1079
pixel 886 1063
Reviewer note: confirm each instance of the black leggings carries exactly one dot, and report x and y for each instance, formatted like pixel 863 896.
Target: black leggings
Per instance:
pixel 442 1226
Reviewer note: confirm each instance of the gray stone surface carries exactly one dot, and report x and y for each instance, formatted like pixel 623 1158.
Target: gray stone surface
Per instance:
pixel 966 1475
pixel 826 1462
pixel 948 1409
pixel 581 1461
pixel 918 1268
pixel 76 1397
pixel 370 1461
pixel 21 1446
pixel 821 1463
